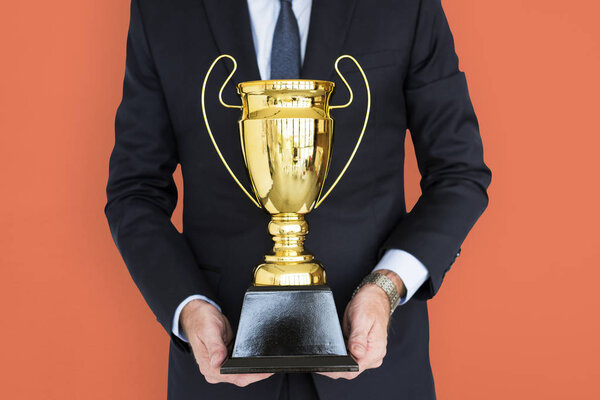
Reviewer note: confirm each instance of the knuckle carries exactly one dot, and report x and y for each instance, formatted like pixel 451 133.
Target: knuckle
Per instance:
pixel 209 373
pixel 219 325
pixel 213 346
pixel 357 334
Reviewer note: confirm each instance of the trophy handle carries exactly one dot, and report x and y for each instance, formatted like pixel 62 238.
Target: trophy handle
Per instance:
pixel 228 106
pixel 362 132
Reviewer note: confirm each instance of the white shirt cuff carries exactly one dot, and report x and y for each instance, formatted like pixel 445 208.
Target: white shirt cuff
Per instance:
pixel 179 332
pixel 412 271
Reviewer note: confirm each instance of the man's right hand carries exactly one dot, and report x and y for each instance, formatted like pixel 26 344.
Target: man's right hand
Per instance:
pixel 210 335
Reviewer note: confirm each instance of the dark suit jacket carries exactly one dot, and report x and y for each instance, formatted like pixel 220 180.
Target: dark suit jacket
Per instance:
pixel 407 51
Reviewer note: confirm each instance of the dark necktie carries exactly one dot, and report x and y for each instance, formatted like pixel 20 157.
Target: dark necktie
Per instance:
pixel 285 53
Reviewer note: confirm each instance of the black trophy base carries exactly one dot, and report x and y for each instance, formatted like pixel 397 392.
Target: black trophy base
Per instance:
pixel 289 329
pixel 250 365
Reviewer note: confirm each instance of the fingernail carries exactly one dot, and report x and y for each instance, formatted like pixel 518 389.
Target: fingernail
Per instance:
pixel 213 360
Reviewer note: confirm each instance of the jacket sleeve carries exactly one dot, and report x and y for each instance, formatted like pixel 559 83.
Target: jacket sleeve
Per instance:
pixel 445 133
pixel 141 192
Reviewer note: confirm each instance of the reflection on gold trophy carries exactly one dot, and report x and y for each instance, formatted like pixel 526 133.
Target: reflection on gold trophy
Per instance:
pixel 288 322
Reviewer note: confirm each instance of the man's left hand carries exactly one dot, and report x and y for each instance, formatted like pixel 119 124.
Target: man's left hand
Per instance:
pixel 365 325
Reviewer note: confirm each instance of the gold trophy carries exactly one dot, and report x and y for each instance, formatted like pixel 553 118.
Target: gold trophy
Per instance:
pixel 288 321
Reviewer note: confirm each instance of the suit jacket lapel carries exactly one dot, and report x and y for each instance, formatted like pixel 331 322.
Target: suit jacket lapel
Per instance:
pixel 229 22
pixel 329 22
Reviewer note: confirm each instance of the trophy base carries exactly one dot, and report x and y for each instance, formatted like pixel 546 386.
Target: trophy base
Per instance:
pixel 250 365
pixel 289 329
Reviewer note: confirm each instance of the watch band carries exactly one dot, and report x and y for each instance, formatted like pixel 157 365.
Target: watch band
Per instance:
pixel 386 284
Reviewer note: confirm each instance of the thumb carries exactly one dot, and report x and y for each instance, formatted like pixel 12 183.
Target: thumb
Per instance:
pixel 357 341
pixel 215 348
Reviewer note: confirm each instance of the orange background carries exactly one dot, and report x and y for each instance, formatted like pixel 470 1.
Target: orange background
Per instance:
pixel 517 318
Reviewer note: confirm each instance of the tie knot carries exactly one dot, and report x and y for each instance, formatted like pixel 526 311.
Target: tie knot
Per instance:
pixel 286 1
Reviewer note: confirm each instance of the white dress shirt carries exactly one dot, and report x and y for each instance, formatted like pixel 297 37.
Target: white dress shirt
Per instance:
pixel 263 18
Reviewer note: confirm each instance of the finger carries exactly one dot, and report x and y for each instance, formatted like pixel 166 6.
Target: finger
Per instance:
pixel 235 379
pixel 227 334
pixel 340 375
pixel 218 357
pixel 215 347
pixel 247 379
pixel 212 374
pixel 346 323
pixel 203 361
pixel 376 350
pixel 359 332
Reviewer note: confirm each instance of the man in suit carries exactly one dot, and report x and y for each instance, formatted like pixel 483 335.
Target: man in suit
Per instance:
pixel 195 281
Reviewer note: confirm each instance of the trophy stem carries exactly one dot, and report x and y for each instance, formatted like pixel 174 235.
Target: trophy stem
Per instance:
pixel 289 264
pixel 288 230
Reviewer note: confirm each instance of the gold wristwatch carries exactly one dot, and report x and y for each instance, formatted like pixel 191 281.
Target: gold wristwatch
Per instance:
pixel 386 284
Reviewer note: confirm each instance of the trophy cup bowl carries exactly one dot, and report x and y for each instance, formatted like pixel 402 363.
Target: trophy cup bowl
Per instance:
pixel 288 322
pixel 286 136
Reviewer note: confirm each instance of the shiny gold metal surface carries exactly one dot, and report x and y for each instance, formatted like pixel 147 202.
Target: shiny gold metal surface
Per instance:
pixel 289 264
pixel 286 134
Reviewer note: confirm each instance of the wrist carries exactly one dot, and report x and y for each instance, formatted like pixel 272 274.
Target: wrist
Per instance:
pixel 400 287
pixel 376 294
pixel 382 283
